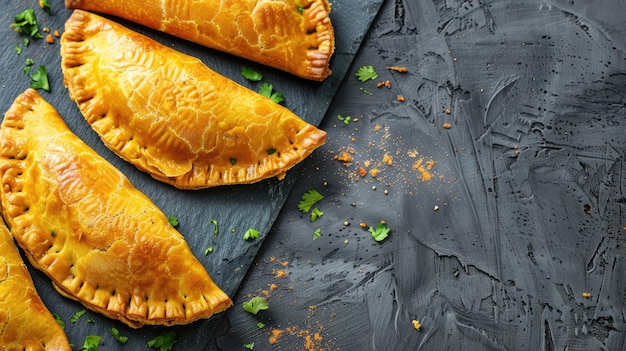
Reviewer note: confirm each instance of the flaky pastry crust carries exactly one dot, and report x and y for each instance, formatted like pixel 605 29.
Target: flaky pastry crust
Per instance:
pixel 173 117
pixel 100 240
pixel 295 36
pixel 25 322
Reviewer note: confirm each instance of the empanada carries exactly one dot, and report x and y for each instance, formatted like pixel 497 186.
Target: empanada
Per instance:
pixel 173 117
pixel 25 322
pixel 295 36
pixel 81 222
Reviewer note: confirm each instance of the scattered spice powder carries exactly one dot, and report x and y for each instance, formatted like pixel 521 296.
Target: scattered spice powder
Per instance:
pixel 424 168
pixel 276 334
pixel 362 172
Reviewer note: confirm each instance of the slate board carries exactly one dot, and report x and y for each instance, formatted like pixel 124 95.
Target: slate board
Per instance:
pixel 235 208
pixel 524 212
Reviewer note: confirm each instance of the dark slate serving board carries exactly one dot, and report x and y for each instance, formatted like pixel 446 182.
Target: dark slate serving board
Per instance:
pixel 235 208
pixel 525 210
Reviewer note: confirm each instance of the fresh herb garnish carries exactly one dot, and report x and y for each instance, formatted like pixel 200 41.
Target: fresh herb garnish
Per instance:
pixel 76 316
pixel 345 120
pixel 29 62
pixel 309 199
pixel 164 342
pixel 233 161
pixel 251 234
pixel 45 6
pixel 267 90
pixel 251 74
pixel 18 50
pixel 260 325
pixel 255 304
pixel 117 336
pixel 271 151
pixel 91 343
pixel 208 251
pixel 59 320
pixel 26 22
pixel 249 346
pixel 216 229
pixel 317 234
pixel 366 72
pixel 173 220
pixel 315 214
pixel 39 79
pixel 380 232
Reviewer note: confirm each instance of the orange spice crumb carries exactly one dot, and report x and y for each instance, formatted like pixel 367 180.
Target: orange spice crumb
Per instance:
pixel 46 30
pixel 398 69
pixel 345 158
pixel 388 160
pixel 374 172
pixel 416 324
pixel 377 127
pixel 273 287
pixel 367 163
pixel 276 334
pixel 448 111
pixel 362 225
pixel 362 172
pixel 281 273
pixel 586 295
pixel 384 83
pixel 447 125
pixel 400 98
pixel 312 307
pixel 57 34
pixel 49 39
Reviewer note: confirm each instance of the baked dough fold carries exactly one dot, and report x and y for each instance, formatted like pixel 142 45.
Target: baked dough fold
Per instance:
pixel 25 322
pixel 295 36
pixel 100 240
pixel 173 117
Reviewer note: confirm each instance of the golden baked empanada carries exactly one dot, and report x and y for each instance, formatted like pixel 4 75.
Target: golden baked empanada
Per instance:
pixel 173 117
pixel 295 36
pixel 81 222
pixel 25 322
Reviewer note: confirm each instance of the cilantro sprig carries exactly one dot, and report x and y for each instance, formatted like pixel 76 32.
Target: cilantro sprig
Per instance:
pixel 251 233
pixel 39 79
pixel 309 199
pixel 117 336
pixel 365 73
pixel 92 342
pixel 76 316
pixel 251 74
pixel 26 22
pixel 381 232
pixel 268 90
pixel 164 342
pixel 255 304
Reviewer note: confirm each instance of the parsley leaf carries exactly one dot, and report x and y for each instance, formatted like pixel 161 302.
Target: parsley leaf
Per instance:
pixel 117 336
pixel 251 74
pixel 39 79
pixel 266 90
pixel 26 22
pixel 255 304
pixel 91 343
pixel 260 325
pixel 164 342
pixel 18 50
pixel 251 234
pixel 76 316
pixel 366 72
pixel 315 214
pixel 309 199
pixel 381 232
pixel 173 220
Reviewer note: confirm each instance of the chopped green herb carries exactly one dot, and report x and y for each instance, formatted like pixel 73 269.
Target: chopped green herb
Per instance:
pixel 29 62
pixel 260 325
pixel 52 234
pixel 309 199
pixel 26 42
pixel 380 232
pixel 365 73
pixel 76 316
pixel 215 229
pixel 317 234
pixel 251 234
pixel 271 151
pixel 345 120
pixel 208 251
pixel 18 50
pixel 251 74
pixel 365 91
pixel 173 220
pixel 255 304
pixel 91 320
pixel 39 79
pixel 26 22
pixel 45 6
pixel 267 90
pixel 249 346
pixel 233 161
pixel 315 214
pixel 91 343
pixel 117 336
pixel 59 320
pixel 164 342
pixel 300 9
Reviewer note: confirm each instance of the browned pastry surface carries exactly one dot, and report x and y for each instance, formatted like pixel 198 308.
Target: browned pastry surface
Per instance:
pixel 291 35
pixel 25 322
pixel 81 222
pixel 173 117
